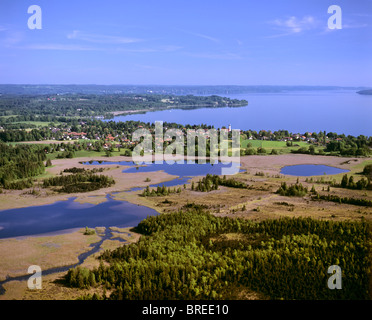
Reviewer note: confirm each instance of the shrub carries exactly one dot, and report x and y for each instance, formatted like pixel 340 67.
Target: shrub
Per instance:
pixel 296 190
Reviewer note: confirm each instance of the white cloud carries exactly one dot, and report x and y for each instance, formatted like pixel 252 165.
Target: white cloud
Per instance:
pixel 294 25
pixel 349 25
pixel 169 48
pixel 56 46
pixel 12 38
pixel 204 36
pixel 76 47
pixel 100 38
pixel 353 26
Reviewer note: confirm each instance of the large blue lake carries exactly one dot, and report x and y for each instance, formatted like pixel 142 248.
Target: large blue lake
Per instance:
pixel 333 111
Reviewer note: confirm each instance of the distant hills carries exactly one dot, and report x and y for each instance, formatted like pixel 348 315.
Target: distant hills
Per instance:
pixel 369 91
pixel 45 89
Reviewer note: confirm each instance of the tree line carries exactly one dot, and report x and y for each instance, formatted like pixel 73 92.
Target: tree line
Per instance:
pixel 83 170
pixel 159 191
pixel 211 182
pixel 347 200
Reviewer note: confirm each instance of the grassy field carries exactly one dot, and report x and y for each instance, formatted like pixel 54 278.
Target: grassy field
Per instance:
pixel 357 169
pixel 280 146
pixel 89 154
pixel 38 124
pixel 270 144
pixel 51 142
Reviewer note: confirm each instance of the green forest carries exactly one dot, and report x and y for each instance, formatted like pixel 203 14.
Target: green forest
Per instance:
pixel 192 254
pixel 36 107
pixel 18 164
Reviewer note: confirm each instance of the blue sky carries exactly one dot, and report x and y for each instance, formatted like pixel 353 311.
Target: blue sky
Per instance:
pixel 176 42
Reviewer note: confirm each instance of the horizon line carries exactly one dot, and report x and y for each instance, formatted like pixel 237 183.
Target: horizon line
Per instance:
pixel 184 85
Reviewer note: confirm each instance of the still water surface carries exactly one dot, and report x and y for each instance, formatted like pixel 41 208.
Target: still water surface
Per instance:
pixel 313 111
pixel 64 215
pixel 311 170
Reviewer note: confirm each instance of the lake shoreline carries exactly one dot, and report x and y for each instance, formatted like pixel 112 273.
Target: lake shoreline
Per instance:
pixel 286 109
pixel 270 164
pixel 171 107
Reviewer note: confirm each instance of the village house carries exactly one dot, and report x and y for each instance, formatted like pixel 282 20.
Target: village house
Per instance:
pixel 74 135
pixel 110 138
pixel 287 139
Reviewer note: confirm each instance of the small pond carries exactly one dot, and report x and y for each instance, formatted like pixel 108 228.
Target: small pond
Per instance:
pixel 311 170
